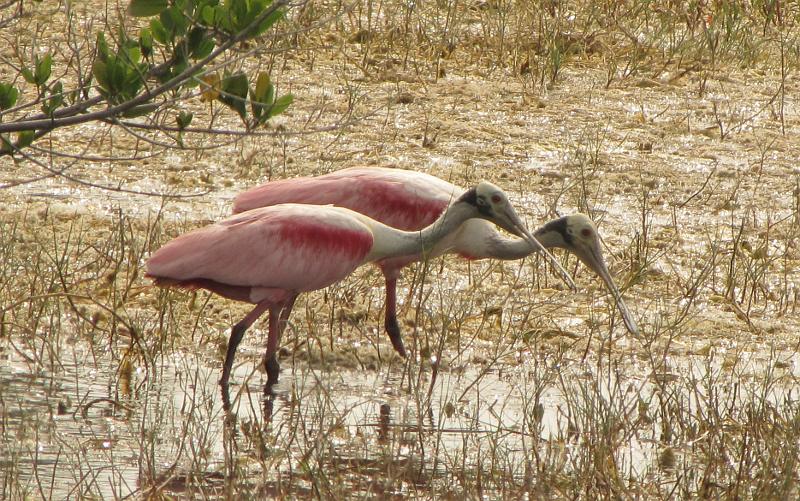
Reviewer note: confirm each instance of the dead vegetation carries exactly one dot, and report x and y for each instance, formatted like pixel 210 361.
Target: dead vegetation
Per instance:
pixel 674 127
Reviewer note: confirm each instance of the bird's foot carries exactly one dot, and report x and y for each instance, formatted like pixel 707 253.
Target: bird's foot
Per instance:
pixel 395 337
pixel 273 370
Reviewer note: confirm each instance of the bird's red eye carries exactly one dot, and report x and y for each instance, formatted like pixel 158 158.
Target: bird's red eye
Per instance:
pixel 586 232
pixel 496 199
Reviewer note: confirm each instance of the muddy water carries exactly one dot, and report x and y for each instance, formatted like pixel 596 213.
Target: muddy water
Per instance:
pixel 80 429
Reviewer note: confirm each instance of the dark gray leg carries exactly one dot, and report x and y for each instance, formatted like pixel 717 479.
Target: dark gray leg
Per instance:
pixel 273 342
pixel 237 333
pixel 273 371
pixel 390 320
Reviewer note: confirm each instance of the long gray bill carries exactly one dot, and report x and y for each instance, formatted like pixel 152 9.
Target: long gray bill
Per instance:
pixel 523 232
pixel 600 268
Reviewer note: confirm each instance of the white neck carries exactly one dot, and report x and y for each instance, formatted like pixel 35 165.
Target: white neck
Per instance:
pixel 480 242
pixel 391 242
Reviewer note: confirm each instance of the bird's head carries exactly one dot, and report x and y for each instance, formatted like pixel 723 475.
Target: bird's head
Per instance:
pixel 490 203
pixel 578 234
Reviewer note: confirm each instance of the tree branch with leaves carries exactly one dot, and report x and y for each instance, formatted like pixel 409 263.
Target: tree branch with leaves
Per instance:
pixel 177 50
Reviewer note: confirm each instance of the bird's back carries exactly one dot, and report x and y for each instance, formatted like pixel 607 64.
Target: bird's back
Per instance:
pixel 287 247
pixel 402 199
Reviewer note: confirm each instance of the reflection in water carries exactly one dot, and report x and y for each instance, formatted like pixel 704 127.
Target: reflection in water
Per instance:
pixel 71 432
pixel 384 419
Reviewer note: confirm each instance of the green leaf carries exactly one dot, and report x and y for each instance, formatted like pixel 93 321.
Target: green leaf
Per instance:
pixel 119 78
pixel 8 96
pixel 57 94
pixel 134 54
pixel 134 78
pixel 146 42
pixel 207 14
pixel 269 21
pixel 73 95
pixel 281 104
pixel 5 144
pixel 238 11
pixel 24 138
pixel 43 69
pixel 99 70
pixel 102 46
pixel 235 84
pixel 180 19
pixel 168 23
pixel 204 49
pixel 183 119
pixel 159 32
pixel 115 73
pixel 210 90
pixel 174 21
pixel 202 4
pixel 200 43
pixel 260 110
pixel 264 88
pixel 262 97
pixel 146 8
pixel 55 100
pixel 123 40
pixel 224 19
pixel 196 35
pixel 27 74
pixel 180 65
pixel 234 93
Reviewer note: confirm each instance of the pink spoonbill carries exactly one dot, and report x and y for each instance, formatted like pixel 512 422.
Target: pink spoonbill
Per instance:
pixel 412 200
pixel 267 256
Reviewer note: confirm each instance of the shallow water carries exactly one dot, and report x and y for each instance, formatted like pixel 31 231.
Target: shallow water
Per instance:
pixel 82 429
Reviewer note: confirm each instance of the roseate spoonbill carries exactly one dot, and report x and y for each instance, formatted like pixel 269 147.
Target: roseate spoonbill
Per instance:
pixel 268 256
pixel 411 200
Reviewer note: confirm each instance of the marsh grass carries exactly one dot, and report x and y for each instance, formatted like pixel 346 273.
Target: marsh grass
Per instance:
pixel 672 126
pixel 535 418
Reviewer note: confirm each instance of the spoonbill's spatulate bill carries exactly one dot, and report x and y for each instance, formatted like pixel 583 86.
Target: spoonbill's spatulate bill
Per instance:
pixel 412 200
pixel 268 256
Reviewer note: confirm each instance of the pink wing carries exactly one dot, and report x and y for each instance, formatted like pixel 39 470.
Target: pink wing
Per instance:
pixel 288 247
pixel 403 199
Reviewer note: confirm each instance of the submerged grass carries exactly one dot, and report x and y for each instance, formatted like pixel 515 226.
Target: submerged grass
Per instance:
pixel 671 125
